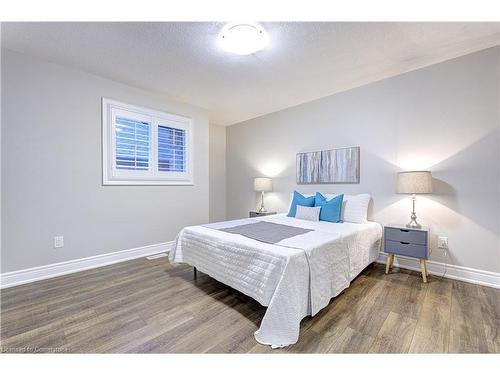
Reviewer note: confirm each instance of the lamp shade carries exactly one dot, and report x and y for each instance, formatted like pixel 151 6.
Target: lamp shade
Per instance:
pixel 263 184
pixel 416 182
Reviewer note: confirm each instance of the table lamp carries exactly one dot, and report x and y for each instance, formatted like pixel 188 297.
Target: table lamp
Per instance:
pixel 262 184
pixel 414 182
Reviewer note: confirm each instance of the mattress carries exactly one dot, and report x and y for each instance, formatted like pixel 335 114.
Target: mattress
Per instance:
pixel 294 278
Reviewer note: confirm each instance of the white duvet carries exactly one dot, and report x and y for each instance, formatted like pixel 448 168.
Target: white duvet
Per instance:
pixel 294 278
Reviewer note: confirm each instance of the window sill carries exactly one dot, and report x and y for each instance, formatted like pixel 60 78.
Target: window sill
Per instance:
pixel 147 183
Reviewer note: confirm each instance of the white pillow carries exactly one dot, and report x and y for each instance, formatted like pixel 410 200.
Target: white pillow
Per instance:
pixel 307 213
pixel 355 208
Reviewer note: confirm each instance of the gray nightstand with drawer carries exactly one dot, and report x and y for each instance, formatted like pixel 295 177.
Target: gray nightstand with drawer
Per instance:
pixel 257 213
pixel 410 242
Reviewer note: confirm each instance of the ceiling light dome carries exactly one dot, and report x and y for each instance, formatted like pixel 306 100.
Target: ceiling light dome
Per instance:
pixel 243 38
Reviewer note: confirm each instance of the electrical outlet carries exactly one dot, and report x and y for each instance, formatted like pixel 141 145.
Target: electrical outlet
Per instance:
pixel 58 242
pixel 443 243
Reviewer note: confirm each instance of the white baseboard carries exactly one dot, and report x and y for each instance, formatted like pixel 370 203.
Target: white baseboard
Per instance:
pixel 469 275
pixel 29 275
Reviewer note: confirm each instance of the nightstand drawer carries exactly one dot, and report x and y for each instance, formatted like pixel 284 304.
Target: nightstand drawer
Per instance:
pixel 406 248
pixel 406 235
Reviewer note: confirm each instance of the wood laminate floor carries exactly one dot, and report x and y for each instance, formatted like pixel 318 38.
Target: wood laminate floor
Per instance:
pixel 149 306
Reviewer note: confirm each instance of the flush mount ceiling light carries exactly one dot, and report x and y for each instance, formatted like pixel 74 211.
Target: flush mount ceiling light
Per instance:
pixel 243 38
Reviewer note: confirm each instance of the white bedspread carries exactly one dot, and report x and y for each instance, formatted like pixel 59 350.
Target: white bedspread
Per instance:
pixel 294 278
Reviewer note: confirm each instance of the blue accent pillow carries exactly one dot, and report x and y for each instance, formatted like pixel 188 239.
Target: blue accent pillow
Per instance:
pixel 299 199
pixel 330 210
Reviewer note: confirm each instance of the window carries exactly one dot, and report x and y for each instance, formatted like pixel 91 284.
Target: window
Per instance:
pixel 145 147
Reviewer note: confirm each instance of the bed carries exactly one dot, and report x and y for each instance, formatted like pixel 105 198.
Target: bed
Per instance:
pixel 295 277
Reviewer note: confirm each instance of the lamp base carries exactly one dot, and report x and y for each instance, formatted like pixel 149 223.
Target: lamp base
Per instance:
pixel 262 209
pixel 413 223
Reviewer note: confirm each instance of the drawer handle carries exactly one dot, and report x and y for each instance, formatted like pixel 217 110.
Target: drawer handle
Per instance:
pixel 404 243
pixel 404 230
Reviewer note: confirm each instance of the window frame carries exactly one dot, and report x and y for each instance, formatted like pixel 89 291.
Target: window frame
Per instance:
pixel 113 176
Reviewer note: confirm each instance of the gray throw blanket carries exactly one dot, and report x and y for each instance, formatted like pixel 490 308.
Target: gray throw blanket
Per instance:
pixel 267 232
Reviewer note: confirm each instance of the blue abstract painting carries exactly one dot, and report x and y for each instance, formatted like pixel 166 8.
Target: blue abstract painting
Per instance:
pixel 338 166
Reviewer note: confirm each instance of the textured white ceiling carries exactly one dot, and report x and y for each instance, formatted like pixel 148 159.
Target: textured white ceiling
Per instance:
pixel 304 61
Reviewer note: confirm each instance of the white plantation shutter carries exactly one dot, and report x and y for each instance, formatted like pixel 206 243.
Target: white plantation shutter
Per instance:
pixel 133 144
pixel 145 147
pixel 171 149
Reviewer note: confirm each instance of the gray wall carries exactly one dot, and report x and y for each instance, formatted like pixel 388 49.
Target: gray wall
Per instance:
pixel 444 118
pixel 51 169
pixel 217 173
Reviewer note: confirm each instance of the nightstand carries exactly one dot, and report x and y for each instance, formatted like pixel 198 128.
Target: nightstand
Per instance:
pixel 258 214
pixel 410 242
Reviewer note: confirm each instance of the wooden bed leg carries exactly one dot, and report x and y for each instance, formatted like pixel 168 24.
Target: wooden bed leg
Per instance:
pixel 195 273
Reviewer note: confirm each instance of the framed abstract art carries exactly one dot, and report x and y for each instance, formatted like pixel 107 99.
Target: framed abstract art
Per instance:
pixel 337 166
